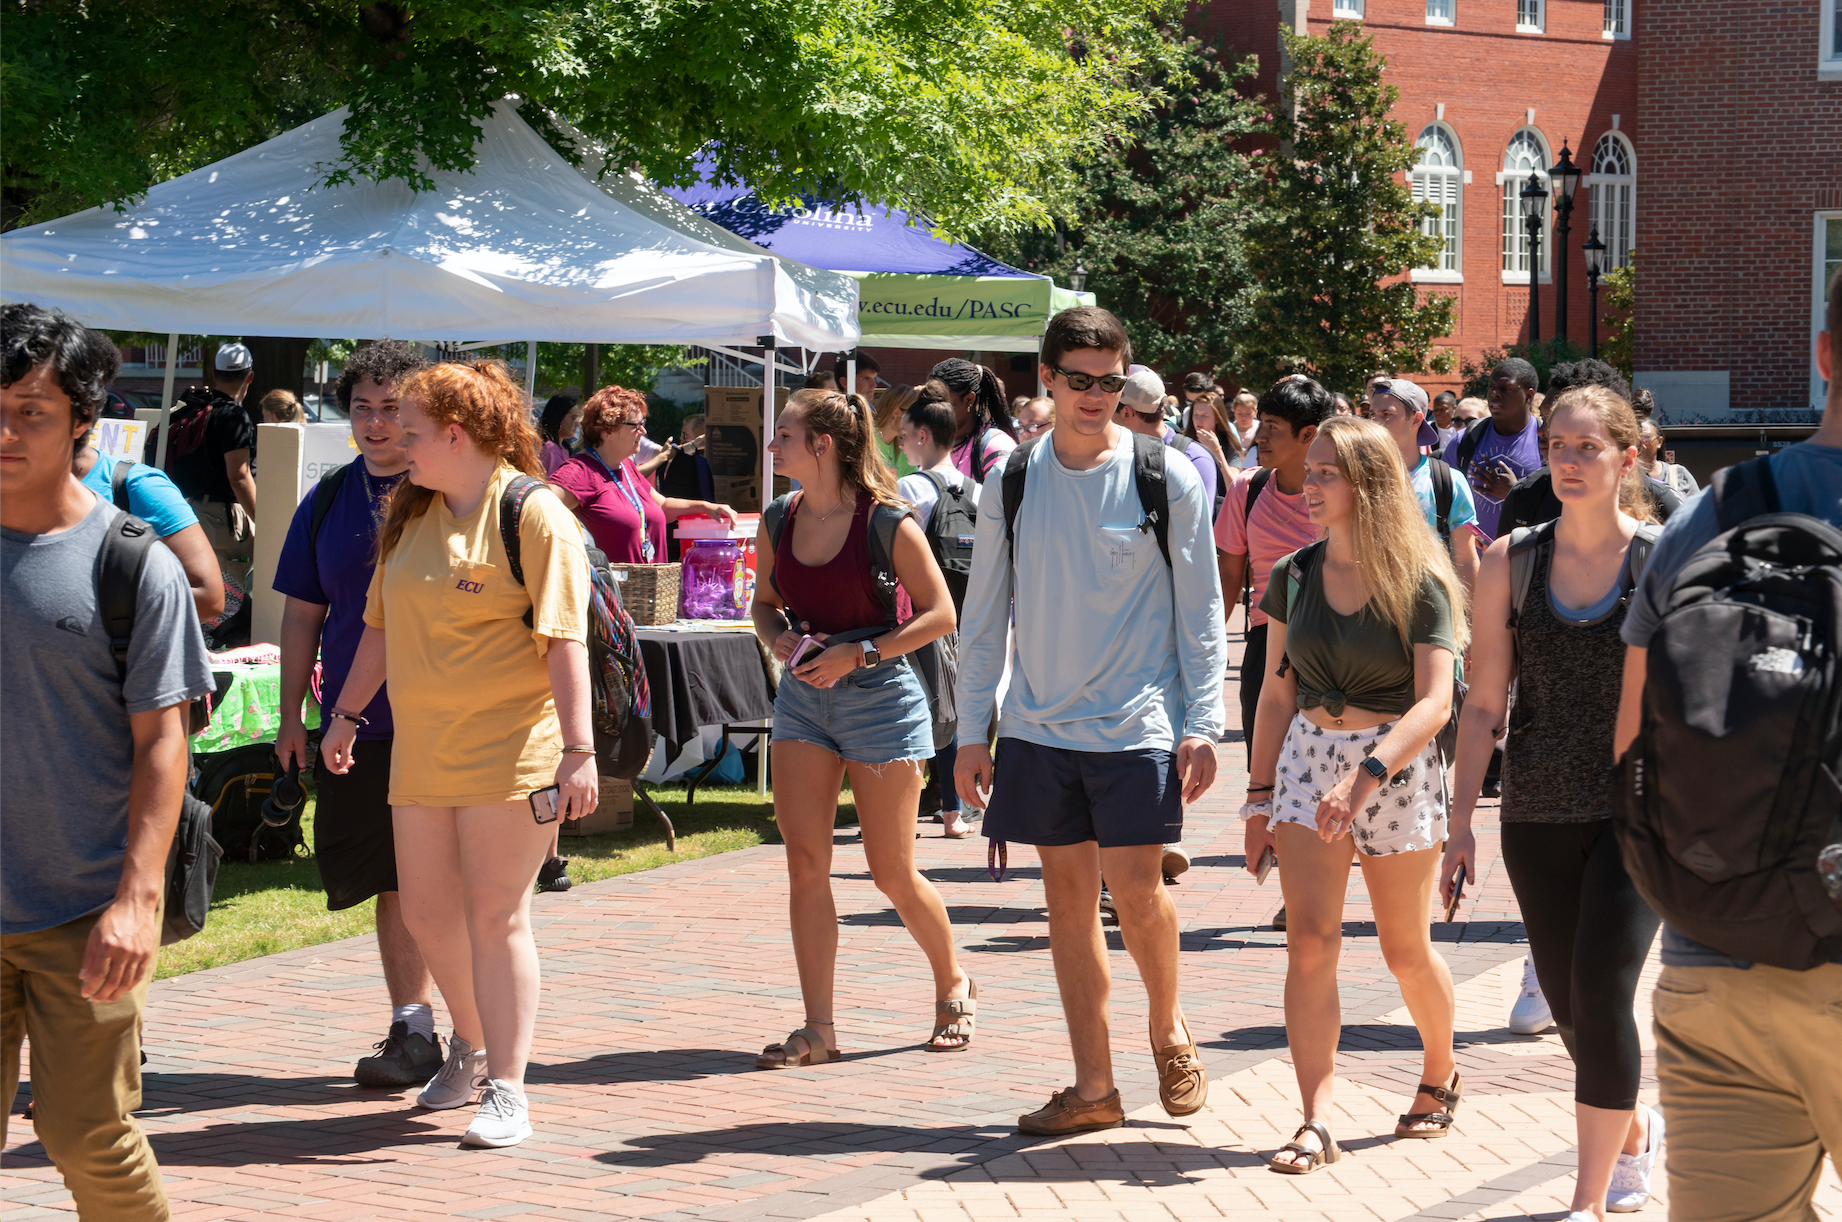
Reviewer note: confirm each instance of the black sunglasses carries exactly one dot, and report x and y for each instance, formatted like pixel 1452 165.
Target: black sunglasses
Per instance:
pixel 1111 383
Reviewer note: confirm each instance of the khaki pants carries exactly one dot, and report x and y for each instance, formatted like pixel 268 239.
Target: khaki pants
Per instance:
pixel 1750 1069
pixel 86 1074
pixel 232 534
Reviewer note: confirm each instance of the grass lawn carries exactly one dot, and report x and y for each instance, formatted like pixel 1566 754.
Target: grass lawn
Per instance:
pixel 279 905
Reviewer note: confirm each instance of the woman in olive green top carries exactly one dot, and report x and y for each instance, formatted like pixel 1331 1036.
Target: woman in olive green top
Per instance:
pixel 1365 626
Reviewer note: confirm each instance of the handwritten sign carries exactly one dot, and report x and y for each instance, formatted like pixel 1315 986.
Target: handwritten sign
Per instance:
pixel 119 438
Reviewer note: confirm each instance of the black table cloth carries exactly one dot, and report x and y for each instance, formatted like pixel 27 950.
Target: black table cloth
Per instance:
pixel 703 679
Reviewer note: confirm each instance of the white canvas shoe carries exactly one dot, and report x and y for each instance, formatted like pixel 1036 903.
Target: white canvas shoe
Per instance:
pixel 504 1119
pixel 1531 1014
pixel 1630 1190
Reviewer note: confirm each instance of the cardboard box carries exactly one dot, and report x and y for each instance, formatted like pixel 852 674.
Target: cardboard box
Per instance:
pixel 732 424
pixel 613 814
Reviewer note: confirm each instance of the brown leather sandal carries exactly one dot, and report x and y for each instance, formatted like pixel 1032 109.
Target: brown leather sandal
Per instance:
pixel 1446 1097
pixel 955 1017
pixel 1314 1159
pixel 782 1056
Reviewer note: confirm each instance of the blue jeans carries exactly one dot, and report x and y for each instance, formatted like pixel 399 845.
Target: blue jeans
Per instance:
pixel 871 716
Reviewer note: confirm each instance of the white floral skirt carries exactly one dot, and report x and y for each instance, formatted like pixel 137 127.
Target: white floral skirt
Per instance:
pixel 1406 814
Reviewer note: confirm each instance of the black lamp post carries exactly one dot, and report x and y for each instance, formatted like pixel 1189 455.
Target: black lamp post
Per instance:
pixel 1595 262
pixel 1077 279
pixel 1563 176
pixel 1533 196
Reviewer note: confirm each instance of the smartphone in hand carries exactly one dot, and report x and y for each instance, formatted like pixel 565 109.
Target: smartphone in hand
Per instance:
pixel 1458 893
pixel 543 805
pixel 1268 859
pixel 808 647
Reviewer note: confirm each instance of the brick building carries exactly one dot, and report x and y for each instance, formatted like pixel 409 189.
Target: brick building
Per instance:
pixel 1491 90
pixel 1741 208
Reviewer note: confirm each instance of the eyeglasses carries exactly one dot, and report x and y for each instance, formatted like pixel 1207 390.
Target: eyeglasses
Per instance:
pixel 1151 417
pixel 1111 383
pixel 638 426
pixel 1030 430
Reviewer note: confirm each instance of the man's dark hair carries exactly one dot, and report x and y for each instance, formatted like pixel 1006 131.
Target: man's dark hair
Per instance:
pixel 1298 401
pixel 1446 396
pixel 1085 327
pixel 1196 383
pixel 85 361
pixel 864 361
pixel 387 362
pixel 1588 372
pixel 557 407
pixel 936 416
pixel 821 381
pixel 1520 371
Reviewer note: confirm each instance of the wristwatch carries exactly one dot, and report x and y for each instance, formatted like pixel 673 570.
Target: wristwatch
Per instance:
pixel 870 656
pixel 1376 769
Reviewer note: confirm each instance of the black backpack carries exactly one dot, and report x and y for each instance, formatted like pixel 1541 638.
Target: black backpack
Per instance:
pixel 187 425
pixel 1147 476
pixel 1728 804
pixel 621 697
pixel 1469 443
pixel 937 662
pixel 191 863
pixel 952 529
pixel 233 785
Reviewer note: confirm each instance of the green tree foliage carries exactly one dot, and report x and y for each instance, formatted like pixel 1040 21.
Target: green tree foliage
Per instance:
pixel 1341 227
pixel 972 112
pixel 1544 355
pixel 1163 213
pixel 1618 341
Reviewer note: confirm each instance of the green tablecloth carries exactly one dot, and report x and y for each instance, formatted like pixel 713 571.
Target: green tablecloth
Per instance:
pixel 250 711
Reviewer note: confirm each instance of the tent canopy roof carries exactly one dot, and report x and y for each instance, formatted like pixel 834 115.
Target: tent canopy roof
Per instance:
pixel 524 245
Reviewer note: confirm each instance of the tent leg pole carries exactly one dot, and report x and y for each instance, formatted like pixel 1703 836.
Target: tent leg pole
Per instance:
pixel 768 402
pixel 530 371
pixel 166 399
pixel 1041 390
pixel 850 375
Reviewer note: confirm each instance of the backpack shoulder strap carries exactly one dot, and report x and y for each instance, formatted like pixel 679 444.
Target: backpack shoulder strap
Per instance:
pixel 1524 543
pixel 324 494
pixel 1469 443
pixel 774 517
pixel 1296 565
pixel 517 491
pixel 1637 559
pixel 1744 490
pixel 885 520
pixel 1153 493
pixel 939 482
pixel 1255 486
pixel 125 545
pixel 1016 468
pixel 1442 495
pixel 118 483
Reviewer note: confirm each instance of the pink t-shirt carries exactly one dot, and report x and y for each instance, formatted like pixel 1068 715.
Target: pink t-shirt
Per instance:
pixel 1279 526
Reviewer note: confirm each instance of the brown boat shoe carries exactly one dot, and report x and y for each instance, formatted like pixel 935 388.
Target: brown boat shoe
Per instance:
pixel 1066 1112
pixel 1183 1084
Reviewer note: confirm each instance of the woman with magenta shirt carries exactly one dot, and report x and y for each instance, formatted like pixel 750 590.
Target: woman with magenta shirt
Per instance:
pixel 621 509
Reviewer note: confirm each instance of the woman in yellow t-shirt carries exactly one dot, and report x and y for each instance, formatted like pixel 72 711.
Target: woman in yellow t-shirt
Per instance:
pixel 489 687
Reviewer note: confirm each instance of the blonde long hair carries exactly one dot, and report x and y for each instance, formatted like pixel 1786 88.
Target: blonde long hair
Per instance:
pixel 490 408
pixel 851 424
pixel 1395 548
pixel 1619 421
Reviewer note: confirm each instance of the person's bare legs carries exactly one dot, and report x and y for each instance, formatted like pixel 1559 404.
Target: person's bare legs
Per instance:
pixel 501 848
pixel 1313 883
pixel 1603 1134
pixel 433 912
pixel 406 974
pixel 1071 887
pixel 1401 893
pixel 888 801
pixel 1148 925
pixel 807 779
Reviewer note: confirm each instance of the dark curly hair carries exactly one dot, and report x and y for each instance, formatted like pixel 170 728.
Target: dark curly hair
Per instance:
pixel 1588 372
pixel 387 362
pixel 85 361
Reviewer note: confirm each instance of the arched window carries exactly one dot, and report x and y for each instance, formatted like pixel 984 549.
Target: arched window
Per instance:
pixel 1612 186
pixel 1439 179
pixel 1527 154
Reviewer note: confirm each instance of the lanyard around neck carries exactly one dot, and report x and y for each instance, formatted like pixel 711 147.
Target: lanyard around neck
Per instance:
pixel 633 498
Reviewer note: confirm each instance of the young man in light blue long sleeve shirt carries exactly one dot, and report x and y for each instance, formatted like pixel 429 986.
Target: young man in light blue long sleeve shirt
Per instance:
pixel 1114 706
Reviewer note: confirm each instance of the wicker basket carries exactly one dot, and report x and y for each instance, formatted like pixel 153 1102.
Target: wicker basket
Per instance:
pixel 649 592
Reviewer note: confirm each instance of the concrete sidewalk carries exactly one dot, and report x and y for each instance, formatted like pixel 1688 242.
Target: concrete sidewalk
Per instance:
pixel 661 987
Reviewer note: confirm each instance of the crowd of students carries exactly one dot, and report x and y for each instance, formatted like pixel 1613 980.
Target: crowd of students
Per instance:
pixel 1034 603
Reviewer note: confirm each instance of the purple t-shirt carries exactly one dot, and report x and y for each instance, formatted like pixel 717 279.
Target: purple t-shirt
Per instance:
pixel 335 572
pixel 1522 452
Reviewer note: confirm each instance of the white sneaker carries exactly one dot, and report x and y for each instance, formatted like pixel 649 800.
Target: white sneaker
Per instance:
pixel 1176 861
pixel 1630 1190
pixel 1530 1014
pixel 458 1080
pixel 504 1118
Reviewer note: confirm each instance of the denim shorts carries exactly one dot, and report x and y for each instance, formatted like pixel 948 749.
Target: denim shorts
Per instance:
pixel 871 716
pixel 1053 795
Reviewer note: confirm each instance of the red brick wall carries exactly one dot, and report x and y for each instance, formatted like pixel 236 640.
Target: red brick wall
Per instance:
pixel 1487 76
pixel 1746 145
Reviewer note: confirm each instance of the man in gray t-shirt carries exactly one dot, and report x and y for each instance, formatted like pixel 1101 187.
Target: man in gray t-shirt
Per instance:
pixel 96 767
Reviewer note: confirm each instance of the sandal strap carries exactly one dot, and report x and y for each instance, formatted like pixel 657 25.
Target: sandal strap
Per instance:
pixel 1442 1119
pixel 1323 1134
pixel 1439 1094
pixel 957 1006
pixel 1293 1147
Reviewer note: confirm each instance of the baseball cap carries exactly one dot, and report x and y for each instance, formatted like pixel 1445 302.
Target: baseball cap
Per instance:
pixel 1414 399
pixel 234 358
pixel 1144 389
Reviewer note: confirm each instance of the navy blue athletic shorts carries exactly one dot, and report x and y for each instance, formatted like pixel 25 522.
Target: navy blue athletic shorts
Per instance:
pixel 1050 795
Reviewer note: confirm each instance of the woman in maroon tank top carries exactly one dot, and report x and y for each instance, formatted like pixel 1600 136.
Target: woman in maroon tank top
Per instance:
pixel 856 705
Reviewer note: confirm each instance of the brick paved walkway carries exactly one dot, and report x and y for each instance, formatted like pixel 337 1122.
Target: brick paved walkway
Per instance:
pixel 660 987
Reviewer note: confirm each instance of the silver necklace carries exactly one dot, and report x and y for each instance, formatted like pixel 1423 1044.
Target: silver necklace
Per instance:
pixel 834 509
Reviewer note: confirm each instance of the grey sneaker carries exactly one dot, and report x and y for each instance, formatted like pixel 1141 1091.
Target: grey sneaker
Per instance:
pixel 1176 861
pixel 504 1119
pixel 459 1080
pixel 403 1058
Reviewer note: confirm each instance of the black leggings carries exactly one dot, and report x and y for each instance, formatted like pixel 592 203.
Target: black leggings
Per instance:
pixel 1253 675
pixel 1589 933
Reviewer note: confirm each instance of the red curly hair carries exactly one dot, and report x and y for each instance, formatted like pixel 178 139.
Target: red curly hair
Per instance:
pixel 608 407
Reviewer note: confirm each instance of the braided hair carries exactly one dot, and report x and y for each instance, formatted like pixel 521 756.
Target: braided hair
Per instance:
pixel 989 409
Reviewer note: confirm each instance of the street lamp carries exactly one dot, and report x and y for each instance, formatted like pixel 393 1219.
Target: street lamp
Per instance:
pixel 1077 279
pixel 1533 197
pixel 1595 263
pixel 1563 176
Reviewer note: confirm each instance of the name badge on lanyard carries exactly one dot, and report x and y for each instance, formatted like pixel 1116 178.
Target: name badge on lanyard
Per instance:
pixel 635 499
